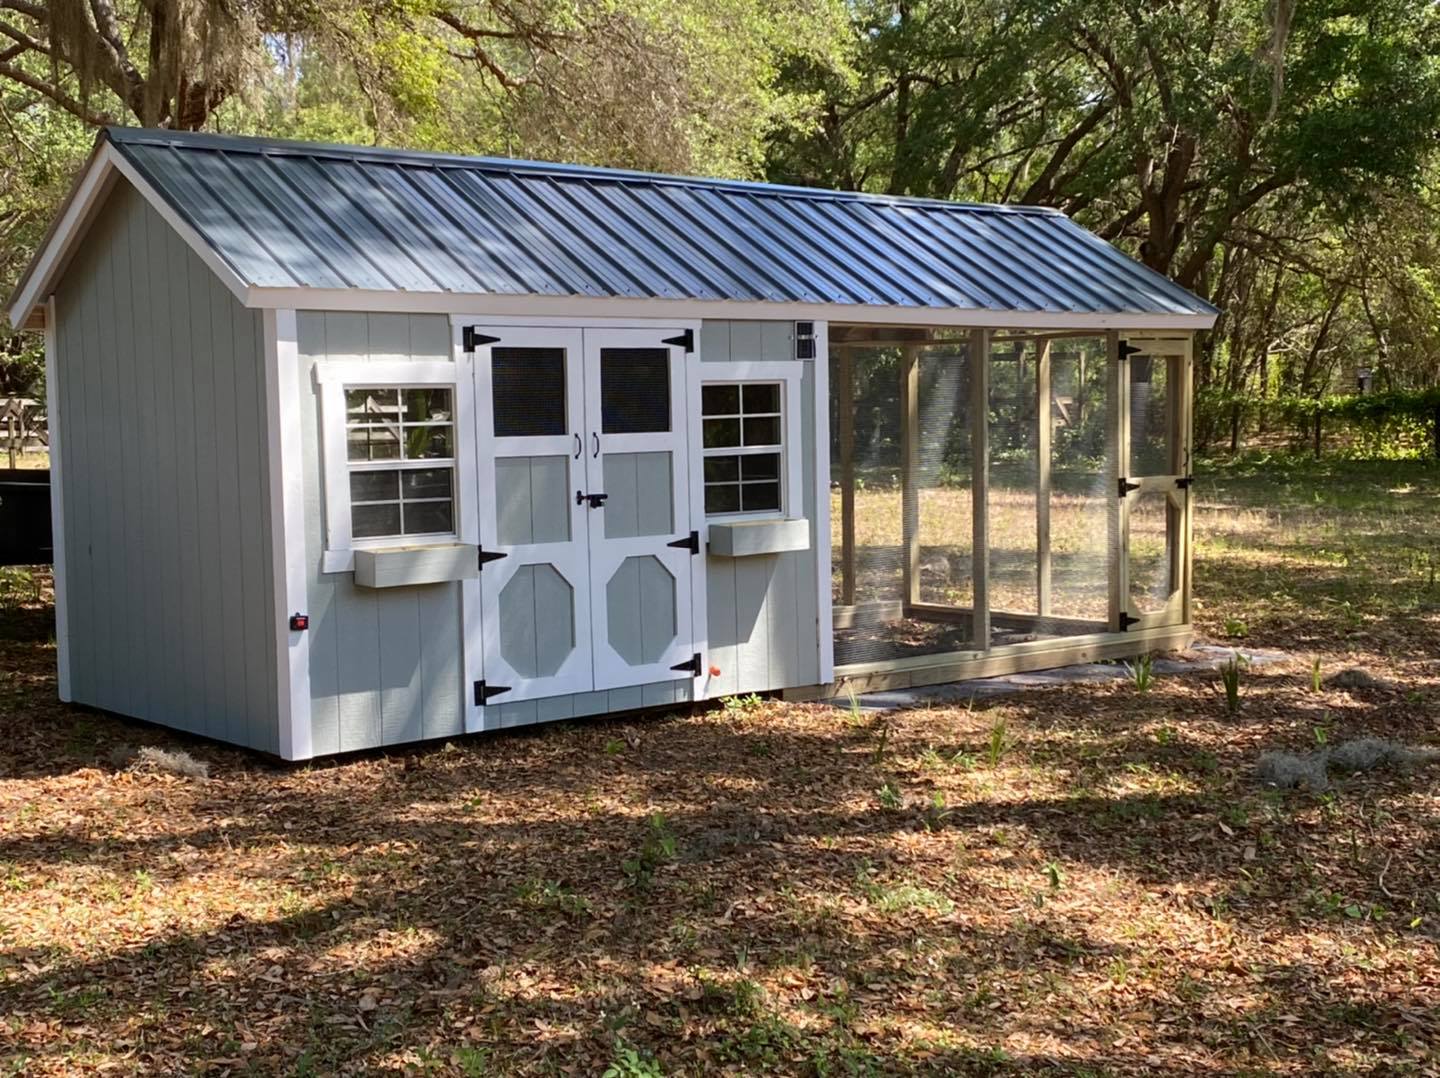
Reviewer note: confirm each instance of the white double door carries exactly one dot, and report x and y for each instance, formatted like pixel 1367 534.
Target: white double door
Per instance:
pixel 584 509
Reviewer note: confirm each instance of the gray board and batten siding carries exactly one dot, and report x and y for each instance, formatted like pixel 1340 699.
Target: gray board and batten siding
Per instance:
pixel 763 611
pixel 385 664
pixel 161 400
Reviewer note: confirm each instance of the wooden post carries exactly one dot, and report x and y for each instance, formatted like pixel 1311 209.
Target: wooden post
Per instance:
pixel 1117 439
pixel 909 473
pixel 1042 479
pixel 1187 494
pixel 980 479
pixel 847 475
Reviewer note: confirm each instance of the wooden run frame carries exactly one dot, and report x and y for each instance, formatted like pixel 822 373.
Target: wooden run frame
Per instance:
pixel 1122 632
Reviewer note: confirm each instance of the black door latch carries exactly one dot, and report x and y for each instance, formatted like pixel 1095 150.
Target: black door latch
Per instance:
pixel 595 501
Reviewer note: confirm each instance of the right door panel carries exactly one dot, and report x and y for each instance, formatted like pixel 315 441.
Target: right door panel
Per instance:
pixel 1154 464
pixel 637 457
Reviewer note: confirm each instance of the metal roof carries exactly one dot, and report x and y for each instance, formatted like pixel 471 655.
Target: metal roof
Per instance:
pixel 302 215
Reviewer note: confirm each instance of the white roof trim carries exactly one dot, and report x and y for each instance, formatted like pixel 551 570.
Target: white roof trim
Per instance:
pixel 75 219
pixel 493 305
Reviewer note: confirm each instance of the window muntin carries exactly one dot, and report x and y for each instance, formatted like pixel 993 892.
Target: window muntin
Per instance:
pixel 400 454
pixel 742 434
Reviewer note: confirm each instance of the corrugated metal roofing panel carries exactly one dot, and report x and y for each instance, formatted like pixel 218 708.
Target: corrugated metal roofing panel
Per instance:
pixel 286 214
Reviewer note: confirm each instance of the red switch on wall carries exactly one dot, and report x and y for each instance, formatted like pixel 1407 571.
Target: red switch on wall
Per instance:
pixel 299 622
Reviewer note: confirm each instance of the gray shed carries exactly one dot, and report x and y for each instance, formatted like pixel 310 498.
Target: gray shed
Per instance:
pixel 357 447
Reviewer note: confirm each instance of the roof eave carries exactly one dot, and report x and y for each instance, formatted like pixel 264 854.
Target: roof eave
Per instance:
pixel 483 304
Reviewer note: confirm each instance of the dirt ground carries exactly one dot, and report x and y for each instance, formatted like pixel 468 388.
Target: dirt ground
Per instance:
pixel 1086 881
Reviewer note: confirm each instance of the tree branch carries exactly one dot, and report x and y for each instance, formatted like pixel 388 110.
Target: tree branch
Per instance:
pixel 55 94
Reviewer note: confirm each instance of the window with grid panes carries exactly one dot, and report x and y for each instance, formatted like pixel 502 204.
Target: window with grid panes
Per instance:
pixel 400 453
pixel 743 433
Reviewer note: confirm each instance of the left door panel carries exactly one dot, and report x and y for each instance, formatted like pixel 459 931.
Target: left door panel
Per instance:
pixel 535 579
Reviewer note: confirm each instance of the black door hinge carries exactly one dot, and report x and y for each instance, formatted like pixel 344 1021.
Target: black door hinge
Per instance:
pixel 691 543
pixel 690 666
pixel 472 340
pixel 686 341
pixel 483 692
pixel 488 555
pixel 1126 486
pixel 1126 621
pixel 1184 482
pixel 1127 350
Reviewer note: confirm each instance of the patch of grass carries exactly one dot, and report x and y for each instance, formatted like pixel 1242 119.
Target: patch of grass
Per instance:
pixel 900 896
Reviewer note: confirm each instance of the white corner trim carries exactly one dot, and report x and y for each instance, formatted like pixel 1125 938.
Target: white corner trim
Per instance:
pixel 822 541
pixel 85 199
pixel 287 532
pixel 57 504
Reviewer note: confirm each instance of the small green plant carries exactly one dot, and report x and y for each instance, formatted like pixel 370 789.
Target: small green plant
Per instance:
pixel 473 1062
pixel 614 746
pixel 1230 680
pixel 547 894
pixel 1165 735
pixel 854 714
pixel 1317 682
pixel 1236 629
pixel 1053 875
pixel 743 705
pixel 1322 736
pixel 889 796
pixel 659 847
pixel 998 744
pixel 937 812
pixel 1142 672
pixel 882 741
pixel 631 1062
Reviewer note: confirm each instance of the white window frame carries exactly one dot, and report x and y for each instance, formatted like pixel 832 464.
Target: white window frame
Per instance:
pixel 332 378
pixel 788 374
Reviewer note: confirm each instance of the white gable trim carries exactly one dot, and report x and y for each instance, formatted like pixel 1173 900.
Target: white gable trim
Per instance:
pixel 74 222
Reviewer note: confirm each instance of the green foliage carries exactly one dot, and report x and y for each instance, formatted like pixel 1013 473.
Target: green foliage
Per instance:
pixel 1317 682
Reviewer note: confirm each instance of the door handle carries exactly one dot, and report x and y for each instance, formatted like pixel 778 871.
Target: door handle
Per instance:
pixel 595 501
pixel 596 436
pixel 579 446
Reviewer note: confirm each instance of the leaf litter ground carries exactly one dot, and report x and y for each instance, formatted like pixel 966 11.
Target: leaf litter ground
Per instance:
pixel 1086 880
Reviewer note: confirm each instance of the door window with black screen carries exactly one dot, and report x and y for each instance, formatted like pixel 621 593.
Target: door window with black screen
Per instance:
pixel 743 439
